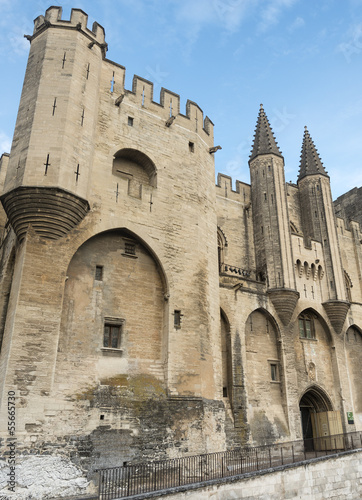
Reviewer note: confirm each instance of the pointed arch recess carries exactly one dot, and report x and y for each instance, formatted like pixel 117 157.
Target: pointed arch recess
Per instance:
pixel 135 236
pixel 317 398
pixel 270 318
pixel 134 156
pixel 317 315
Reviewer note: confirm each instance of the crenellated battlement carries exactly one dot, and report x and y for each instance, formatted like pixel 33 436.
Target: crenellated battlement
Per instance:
pixel 143 93
pixel 142 89
pixel 224 188
pixel 78 20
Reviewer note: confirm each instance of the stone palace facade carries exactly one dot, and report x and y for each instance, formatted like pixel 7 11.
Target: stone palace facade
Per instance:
pixel 145 312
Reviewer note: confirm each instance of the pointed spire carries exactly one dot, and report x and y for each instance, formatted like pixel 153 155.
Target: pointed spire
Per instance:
pixel 310 162
pixel 264 140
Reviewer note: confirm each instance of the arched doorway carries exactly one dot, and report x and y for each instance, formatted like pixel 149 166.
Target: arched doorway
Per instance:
pixel 318 418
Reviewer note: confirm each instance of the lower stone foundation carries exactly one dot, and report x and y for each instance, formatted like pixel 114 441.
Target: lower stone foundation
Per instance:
pixel 336 477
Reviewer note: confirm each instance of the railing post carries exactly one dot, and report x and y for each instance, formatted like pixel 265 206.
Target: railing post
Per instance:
pixel 154 477
pixel 99 484
pixel 281 453
pixel 270 464
pixel 257 461
pixel 293 453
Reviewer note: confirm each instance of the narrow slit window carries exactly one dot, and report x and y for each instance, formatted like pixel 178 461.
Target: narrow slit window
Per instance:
pixel 99 273
pixel 130 121
pixel 274 372
pixel 191 147
pixel 54 105
pixel 177 318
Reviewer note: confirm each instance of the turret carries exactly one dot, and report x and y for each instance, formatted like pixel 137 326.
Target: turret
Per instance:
pixel 271 220
pixel 52 152
pixel 319 224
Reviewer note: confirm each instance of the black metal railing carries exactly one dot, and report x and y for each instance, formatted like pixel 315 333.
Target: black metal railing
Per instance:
pixel 133 479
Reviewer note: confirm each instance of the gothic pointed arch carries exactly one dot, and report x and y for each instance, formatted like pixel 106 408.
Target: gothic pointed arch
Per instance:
pixel 226 356
pixel 221 245
pixel 136 168
pixel 353 349
pixel 264 373
pixel 113 310
pixel 315 363
pixel 348 285
pixel 308 319
pixel 317 398
pixel 319 419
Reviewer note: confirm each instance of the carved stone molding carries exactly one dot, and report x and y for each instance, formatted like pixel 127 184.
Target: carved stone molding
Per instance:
pixel 51 212
pixel 284 301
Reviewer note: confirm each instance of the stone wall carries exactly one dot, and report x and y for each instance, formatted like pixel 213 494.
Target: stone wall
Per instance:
pixel 332 478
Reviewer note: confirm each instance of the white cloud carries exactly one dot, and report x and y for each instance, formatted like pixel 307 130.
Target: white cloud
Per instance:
pixel 296 24
pixel 271 13
pixel 18 43
pixel 353 45
pixel 5 143
pixel 227 13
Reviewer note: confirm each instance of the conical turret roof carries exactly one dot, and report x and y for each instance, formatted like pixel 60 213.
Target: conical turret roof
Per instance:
pixel 264 140
pixel 310 162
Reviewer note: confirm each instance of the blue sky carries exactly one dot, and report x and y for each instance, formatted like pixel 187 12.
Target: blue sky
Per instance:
pixel 301 58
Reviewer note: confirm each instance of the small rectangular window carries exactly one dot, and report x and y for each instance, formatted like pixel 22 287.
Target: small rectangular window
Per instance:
pixel 191 147
pixel 274 372
pixel 99 273
pixel 130 248
pixel 306 328
pixel 224 392
pixel 112 335
pixel 130 121
pixel 177 318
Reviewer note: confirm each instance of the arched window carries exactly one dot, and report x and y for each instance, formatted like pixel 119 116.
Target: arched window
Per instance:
pixel 221 244
pixel 348 284
pixel 136 168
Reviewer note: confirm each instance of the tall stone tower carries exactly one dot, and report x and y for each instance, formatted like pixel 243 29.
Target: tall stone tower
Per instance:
pixel 274 261
pixel 319 224
pixel 109 271
pixel 52 153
